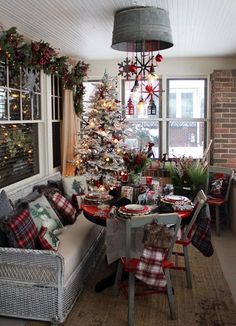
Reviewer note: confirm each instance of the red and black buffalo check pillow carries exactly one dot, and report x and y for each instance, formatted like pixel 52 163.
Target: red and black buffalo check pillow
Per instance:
pixel 66 210
pixel 21 230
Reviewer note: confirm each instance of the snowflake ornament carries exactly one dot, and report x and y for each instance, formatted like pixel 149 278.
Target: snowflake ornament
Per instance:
pixel 126 68
pixel 31 80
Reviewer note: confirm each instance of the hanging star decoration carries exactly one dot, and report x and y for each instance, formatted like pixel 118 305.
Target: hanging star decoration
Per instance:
pixel 152 91
pixel 142 65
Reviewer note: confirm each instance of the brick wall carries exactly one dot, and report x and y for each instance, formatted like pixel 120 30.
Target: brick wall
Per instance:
pixel 223 113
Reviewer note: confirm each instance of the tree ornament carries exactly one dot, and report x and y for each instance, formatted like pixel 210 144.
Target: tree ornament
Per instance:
pixel 149 89
pixel 133 68
pixel 159 58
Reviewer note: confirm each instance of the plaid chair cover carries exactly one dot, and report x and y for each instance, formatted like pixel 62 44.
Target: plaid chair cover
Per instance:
pixel 149 269
pixel 202 235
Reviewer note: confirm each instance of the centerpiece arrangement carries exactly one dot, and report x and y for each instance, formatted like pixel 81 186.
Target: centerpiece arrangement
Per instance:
pixel 135 162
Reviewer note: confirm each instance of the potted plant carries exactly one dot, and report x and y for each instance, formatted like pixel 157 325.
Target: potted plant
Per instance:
pixel 188 176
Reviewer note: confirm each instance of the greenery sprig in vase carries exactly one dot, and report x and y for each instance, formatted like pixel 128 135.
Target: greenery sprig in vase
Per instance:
pixel 188 175
pixel 135 162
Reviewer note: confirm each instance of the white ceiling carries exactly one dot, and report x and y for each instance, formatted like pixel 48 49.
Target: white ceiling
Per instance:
pixel 82 29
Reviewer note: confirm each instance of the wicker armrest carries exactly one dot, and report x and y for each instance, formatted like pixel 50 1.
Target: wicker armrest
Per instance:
pixel 36 266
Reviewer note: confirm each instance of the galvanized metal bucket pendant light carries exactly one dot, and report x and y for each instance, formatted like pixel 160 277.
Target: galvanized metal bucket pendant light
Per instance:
pixel 142 30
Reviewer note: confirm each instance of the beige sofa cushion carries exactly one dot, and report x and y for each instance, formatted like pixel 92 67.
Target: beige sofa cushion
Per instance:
pixel 75 240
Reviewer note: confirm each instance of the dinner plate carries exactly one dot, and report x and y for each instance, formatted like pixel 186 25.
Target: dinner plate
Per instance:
pixel 134 207
pixel 131 212
pixel 175 198
pixel 98 196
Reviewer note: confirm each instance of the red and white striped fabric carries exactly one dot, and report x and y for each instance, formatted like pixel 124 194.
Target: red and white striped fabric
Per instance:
pixel 65 208
pixel 149 269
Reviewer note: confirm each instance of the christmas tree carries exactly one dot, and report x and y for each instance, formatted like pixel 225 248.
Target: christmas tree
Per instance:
pixel 100 147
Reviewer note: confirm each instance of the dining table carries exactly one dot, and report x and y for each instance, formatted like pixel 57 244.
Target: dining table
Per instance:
pixel 111 217
pixel 99 216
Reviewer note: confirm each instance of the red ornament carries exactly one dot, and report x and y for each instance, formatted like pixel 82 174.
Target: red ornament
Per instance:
pixel 132 68
pixel 149 89
pixel 98 184
pixel 124 176
pixel 159 57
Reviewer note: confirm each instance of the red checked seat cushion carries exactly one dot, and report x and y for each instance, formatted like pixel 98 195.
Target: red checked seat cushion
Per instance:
pixel 21 230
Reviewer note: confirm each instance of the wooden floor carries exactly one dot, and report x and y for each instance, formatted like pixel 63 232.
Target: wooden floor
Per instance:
pixel 208 303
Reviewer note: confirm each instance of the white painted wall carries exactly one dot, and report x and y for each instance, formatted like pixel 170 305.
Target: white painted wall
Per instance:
pixel 169 67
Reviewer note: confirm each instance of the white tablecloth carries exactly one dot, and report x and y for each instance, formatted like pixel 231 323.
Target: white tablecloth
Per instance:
pixel 115 240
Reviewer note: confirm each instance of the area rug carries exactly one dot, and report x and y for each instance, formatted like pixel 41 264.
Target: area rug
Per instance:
pixel 208 303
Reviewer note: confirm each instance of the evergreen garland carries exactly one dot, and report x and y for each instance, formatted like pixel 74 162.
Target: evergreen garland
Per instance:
pixel 40 55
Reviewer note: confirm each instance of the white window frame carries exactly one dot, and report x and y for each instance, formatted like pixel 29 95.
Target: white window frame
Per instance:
pixel 44 136
pixel 163 119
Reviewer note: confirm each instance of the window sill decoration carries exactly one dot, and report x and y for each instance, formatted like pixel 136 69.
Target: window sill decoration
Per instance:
pixel 40 55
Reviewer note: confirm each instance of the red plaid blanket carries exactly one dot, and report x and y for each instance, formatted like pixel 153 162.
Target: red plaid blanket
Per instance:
pixel 149 269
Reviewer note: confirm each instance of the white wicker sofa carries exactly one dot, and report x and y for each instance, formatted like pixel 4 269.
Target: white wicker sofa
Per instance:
pixel 42 284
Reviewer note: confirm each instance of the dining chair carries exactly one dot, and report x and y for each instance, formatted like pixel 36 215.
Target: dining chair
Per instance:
pixel 186 237
pixel 130 264
pixel 218 184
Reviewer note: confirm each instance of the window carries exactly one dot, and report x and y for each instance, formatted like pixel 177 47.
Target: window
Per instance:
pixel 20 113
pixel 179 127
pixel 143 125
pixel 186 117
pixel 56 105
pixel 90 87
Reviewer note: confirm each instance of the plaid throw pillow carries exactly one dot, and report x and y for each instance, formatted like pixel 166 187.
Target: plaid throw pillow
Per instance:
pixel 65 208
pixel 47 240
pixel 21 230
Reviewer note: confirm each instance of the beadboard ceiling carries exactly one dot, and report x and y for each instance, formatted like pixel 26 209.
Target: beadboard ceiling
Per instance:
pixel 82 29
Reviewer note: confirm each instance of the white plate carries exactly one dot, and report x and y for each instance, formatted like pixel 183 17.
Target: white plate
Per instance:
pixel 97 194
pixel 175 198
pixel 134 207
